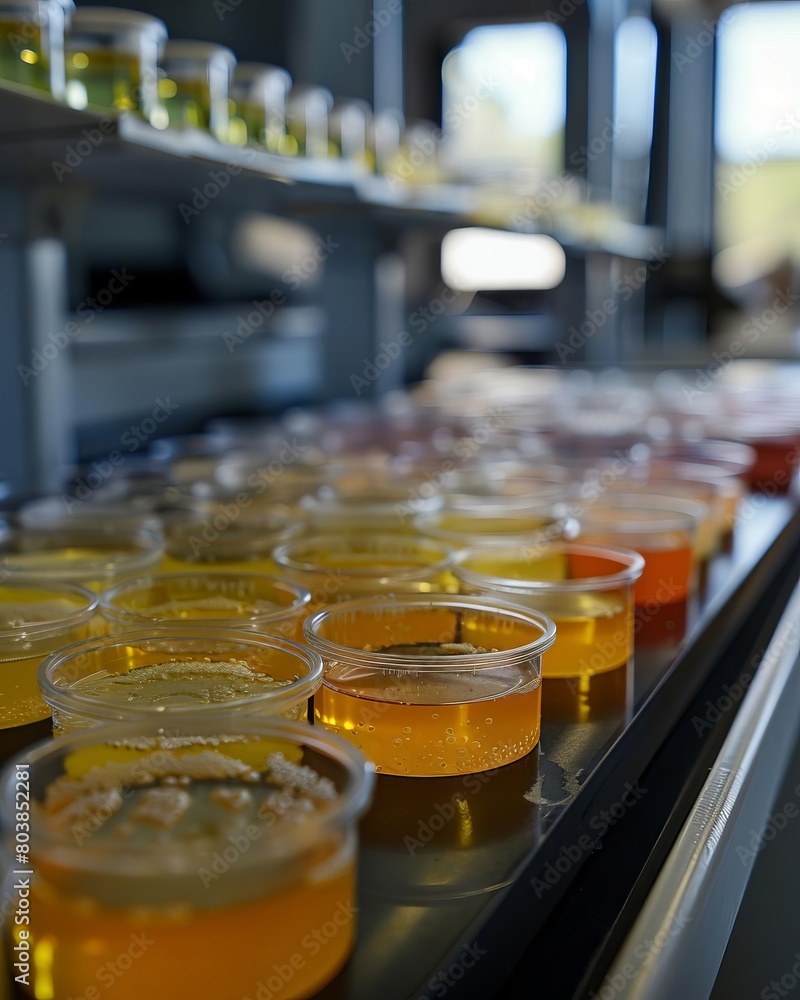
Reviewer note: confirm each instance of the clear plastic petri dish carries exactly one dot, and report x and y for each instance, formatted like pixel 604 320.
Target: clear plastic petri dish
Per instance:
pixel 432 686
pixel 252 601
pixel 186 838
pixel 174 674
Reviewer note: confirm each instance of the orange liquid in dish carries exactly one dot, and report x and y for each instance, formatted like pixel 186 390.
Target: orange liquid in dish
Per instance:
pixel 240 922
pixel 426 739
pixel 306 931
pixel 666 577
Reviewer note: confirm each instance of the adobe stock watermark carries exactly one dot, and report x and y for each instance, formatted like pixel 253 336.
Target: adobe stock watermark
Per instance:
pixel 115 968
pixel 623 289
pixel 387 354
pixel 571 854
pixel 438 985
pixel 697 44
pixel 218 181
pixel 751 332
pixel 765 490
pixel 423 317
pixel 564 11
pixel 445 812
pixel 550 191
pixel 645 952
pixel 134 438
pixel 787 984
pixel 87 312
pixel 74 155
pixel 732 694
pixel 227 513
pixel 310 945
pixel 618 648
pixel 424 148
pixel 365 35
pixel 224 7
pixel 293 277
pixel 465 449
pixel 776 823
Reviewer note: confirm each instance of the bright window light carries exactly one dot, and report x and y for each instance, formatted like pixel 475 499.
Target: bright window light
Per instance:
pixel 487 259
pixel 757 136
pixel 758 82
pixel 504 98
pixel 635 48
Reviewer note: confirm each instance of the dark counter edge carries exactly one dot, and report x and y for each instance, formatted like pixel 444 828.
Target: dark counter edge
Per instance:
pixel 562 943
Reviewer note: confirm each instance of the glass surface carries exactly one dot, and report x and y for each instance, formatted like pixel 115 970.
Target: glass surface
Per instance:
pixel 258 98
pixel 111 58
pixel 307 111
pixel 195 84
pixel 32 43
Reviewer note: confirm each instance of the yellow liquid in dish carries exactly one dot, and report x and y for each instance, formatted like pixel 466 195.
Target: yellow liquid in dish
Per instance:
pixel 93 568
pixel 20 701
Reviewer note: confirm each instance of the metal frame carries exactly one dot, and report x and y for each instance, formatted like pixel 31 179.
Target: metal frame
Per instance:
pixel 676 946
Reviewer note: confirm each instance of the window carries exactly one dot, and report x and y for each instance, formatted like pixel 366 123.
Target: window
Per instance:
pixel 757 140
pixel 504 99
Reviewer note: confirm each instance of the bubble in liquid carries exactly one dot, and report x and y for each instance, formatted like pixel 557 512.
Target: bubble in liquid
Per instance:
pixel 488 722
pixel 449 731
pixel 406 729
pixel 397 743
pixel 370 729
pixel 450 739
pixel 461 751
pixel 435 715
pixel 443 764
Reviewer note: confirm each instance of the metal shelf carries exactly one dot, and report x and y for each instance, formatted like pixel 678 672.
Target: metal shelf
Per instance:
pixel 48 143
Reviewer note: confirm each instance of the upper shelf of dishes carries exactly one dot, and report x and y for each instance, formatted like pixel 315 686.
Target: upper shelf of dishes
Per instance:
pixel 103 98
